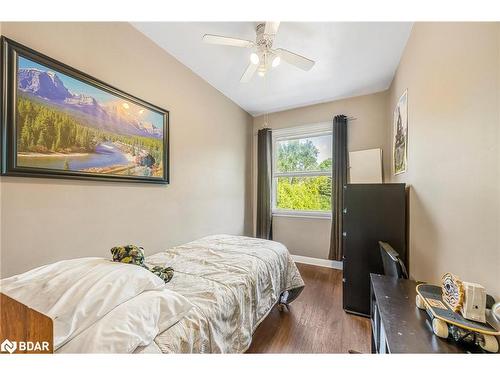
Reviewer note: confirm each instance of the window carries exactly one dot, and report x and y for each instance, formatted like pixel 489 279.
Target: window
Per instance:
pixel 302 171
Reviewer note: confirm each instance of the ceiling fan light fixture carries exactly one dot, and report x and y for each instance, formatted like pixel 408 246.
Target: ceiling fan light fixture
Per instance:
pixel 254 58
pixel 262 70
pixel 276 61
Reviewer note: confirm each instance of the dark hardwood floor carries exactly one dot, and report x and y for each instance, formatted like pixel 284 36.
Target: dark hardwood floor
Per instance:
pixel 316 322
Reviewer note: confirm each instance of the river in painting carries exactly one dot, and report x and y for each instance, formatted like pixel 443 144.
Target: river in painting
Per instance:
pixel 106 155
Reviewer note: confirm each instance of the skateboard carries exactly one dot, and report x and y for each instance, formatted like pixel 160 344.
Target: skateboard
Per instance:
pixel 446 322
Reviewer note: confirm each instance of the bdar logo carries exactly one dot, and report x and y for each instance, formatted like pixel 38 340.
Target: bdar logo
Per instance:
pixel 8 346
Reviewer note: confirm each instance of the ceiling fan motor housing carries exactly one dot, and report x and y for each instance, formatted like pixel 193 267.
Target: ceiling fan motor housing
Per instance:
pixel 264 41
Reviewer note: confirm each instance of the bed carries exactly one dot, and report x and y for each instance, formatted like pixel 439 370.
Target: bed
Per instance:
pixel 223 287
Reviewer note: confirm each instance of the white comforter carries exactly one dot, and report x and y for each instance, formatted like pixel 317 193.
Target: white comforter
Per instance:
pixel 233 282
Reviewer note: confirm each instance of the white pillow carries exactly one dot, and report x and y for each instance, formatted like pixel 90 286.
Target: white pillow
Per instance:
pixel 76 293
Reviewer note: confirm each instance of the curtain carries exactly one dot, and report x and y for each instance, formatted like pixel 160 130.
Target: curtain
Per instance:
pixel 264 170
pixel 339 179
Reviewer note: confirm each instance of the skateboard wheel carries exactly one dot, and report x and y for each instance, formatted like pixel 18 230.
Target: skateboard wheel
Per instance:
pixel 419 302
pixel 489 343
pixel 440 328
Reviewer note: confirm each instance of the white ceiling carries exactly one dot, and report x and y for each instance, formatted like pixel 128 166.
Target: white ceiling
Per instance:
pixel 352 58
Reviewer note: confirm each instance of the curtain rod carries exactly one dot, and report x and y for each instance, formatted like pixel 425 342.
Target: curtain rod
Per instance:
pixel 348 119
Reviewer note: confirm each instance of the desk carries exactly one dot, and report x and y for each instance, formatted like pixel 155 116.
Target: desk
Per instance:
pixel 398 326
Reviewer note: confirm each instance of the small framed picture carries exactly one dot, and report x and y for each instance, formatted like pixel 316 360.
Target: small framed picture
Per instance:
pixel 400 133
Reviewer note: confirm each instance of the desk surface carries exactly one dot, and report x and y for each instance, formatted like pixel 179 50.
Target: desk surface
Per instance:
pixel 407 328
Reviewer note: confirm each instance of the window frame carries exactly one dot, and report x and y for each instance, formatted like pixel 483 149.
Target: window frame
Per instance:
pixel 286 134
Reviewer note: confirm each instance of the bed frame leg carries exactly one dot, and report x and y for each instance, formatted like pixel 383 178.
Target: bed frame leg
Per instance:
pixel 282 302
pixel 283 306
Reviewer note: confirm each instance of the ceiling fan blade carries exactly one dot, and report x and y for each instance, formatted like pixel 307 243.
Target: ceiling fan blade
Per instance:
pixel 292 58
pixel 271 28
pixel 249 72
pixel 227 41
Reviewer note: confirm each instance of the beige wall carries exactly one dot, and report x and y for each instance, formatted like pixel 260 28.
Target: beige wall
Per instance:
pixel 308 236
pixel 44 220
pixel 451 71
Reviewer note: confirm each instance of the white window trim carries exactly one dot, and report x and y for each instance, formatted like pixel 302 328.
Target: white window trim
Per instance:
pixel 296 132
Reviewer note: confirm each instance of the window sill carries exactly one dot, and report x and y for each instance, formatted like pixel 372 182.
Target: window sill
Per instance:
pixel 303 215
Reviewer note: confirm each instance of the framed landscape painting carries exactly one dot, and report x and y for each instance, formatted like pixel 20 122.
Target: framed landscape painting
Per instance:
pixel 60 122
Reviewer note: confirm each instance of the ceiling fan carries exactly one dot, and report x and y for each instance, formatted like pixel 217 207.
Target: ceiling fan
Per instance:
pixel 264 56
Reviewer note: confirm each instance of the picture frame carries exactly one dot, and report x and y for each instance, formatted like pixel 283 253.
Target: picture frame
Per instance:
pixel 59 122
pixel 400 135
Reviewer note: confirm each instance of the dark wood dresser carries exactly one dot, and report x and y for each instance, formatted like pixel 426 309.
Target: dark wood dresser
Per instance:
pixel 372 213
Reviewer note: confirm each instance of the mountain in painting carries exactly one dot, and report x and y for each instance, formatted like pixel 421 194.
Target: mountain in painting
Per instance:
pixel 114 116
pixel 130 113
pixel 44 84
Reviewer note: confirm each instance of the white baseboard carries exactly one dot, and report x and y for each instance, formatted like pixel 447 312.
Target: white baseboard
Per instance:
pixel 318 262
